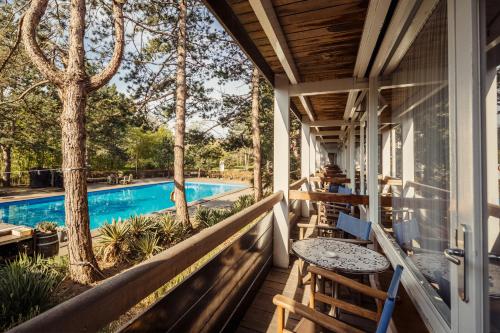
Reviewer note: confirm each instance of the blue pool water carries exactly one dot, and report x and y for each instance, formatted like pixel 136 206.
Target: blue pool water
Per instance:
pixel 108 204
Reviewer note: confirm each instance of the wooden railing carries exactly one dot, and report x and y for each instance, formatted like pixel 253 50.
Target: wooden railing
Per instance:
pixel 104 303
pixel 296 185
pixel 334 180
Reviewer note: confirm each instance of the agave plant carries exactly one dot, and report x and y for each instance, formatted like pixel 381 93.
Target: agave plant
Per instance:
pixel 113 241
pixel 208 217
pixel 27 285
pixel 146 246
pixel 139 226
pixel 168 230
pixel 243 202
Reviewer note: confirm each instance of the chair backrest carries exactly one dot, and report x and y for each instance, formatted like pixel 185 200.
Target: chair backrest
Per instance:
pixel 344 190
pixel 406 231
pixel 354 226
pixel 390 302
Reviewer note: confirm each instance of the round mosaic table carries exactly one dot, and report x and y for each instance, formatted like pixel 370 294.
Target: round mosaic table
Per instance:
pixel 432 265
pixel 340 256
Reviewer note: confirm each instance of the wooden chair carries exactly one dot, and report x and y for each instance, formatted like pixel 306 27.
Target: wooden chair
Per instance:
pixel 346 225
pixel 311 318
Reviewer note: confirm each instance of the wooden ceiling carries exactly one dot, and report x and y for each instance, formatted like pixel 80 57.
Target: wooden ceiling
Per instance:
pixel 323 37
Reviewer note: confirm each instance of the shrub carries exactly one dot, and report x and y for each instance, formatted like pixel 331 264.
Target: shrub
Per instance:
pixel 47 227
pixel 168 230
pixel 146 246
pixel 207 217
pixel 26 288
pixel 113 241
pixel 139 226
pixel 243 202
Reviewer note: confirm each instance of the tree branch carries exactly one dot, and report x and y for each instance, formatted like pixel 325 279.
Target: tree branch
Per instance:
pixel 24 93
pixel 29 24
pixel 99 80
pixel 14 48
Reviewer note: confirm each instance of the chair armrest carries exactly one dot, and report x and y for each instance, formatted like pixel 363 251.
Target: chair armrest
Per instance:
pixel 364 289
pixel 354 241
pixel 317 317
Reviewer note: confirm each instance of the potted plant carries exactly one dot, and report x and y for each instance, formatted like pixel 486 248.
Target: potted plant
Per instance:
pixel 47 240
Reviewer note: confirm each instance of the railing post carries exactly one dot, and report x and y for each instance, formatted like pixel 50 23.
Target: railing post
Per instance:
pixel 281 170
pixel 362 157
pixel 373 150
pixel 305 155
pixel 352 165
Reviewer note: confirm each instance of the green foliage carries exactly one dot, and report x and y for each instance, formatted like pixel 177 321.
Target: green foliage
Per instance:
pixel 207 217
pixel 26 288
pixel 168 230
pixel 146 246
pixel 243 202
pixel 47 227
pixel 139 226
pixel 149 148
pixel 113 243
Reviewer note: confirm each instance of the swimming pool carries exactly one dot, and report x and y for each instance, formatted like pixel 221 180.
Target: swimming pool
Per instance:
pixel 106 205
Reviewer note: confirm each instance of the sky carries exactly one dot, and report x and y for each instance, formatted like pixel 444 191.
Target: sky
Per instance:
pixel 231 87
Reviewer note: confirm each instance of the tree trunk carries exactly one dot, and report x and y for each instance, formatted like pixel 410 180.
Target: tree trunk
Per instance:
pixel 257 157
pixel 83 265
pixel 74 85
pixel 181 214
pixel 7 162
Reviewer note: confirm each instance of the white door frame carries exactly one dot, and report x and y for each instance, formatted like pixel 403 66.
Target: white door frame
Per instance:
pixel 466 202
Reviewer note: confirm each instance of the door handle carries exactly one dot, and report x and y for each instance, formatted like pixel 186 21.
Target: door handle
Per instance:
pixel 453 254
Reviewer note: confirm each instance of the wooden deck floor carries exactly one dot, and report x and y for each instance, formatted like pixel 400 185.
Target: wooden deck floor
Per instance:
pixel 261 315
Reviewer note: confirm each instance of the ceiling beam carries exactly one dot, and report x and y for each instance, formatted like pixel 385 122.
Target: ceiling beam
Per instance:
pixel 232 25
pixel 266 15
pixel 326 133
pixel 327 123
pixel 327 87
pixel 330 141
pixel 375 17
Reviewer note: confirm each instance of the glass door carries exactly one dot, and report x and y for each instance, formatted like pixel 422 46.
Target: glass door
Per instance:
pixel 490 21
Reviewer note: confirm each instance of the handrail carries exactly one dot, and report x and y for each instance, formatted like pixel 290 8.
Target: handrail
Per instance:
pixel 102 304
pixel 329 197
pixel 354 199
pixel 296 185
pixel 334 180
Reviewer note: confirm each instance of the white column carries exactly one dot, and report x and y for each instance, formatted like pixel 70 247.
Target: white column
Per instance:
pixel 305 155
pixel 281 172
pixel 352 146
pixel 408 155
pixel 312 157
pixel 386 153
pixel 393 152
pixel 373 150
pixel 318 155
pixel 492 155
pixel 362 157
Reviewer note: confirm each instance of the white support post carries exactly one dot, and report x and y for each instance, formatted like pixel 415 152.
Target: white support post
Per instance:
pixel 352 146
pixel 305 155
pixel 393 152
pixel 281 173
pixel 312 156
pixel 362 157
pixel 317 155
pixel 373 150
pixel 386 153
